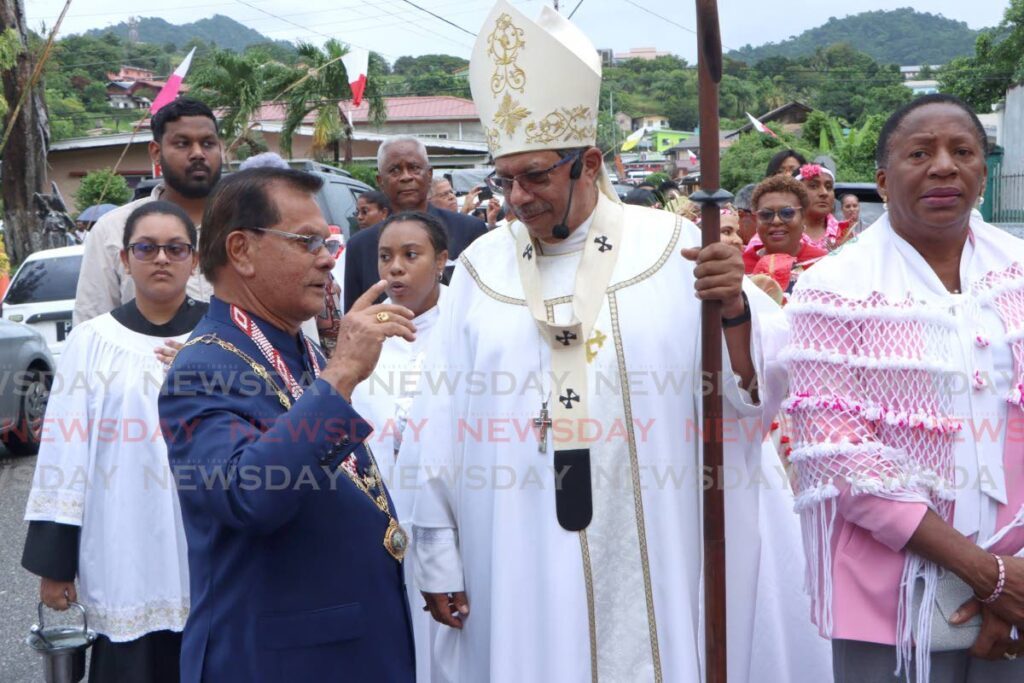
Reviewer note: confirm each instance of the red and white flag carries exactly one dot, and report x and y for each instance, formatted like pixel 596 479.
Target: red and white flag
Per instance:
pixel 692 156
pixel 761 128
pixel 169 92
pixel 356 64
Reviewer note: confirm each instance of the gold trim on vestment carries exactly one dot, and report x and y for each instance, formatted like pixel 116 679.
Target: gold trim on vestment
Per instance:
pixel 638 501
pixel 501 297
pixel 588 581
pixel 669 249
pixel 484 288
pixel 672 244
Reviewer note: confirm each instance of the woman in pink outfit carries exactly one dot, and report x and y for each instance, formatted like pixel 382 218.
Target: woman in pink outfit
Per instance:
pixel 820 226
pixel 906 397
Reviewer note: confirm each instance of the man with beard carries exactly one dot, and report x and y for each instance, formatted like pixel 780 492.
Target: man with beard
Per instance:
pixel 188 149
pixel 404 175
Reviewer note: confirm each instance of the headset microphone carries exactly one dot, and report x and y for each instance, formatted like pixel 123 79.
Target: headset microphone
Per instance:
pixel 561 231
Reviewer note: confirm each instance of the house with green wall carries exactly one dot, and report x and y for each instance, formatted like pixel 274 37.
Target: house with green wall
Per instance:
pixel 662 140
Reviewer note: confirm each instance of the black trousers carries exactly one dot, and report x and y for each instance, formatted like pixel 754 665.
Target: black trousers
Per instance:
pixel 153 658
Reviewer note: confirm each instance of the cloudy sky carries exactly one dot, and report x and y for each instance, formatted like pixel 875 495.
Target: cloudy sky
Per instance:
pixel 396 27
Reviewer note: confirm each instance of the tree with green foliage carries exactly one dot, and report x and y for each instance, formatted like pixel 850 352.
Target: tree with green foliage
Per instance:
pixel 849 84
pixel 10 47
pixel 367 173
pixel 746 160
pixel 272 52
pixel 853 149
pixel 897 36
pixel 317 84
pixel 67 115
pixel 839 80
pixel 238 85
pixel 219 30
pixel 609 136
pixel 102 187
pixel 997 64
pixel 253 144
pixel 665 86
pixel 424 64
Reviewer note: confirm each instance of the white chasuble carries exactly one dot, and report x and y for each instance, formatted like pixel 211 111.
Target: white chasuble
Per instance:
pixel 620 600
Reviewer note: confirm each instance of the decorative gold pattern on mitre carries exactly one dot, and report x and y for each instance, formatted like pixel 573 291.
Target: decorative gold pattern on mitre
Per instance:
pixel 596 340
pixel 510 114
pixel 504 44
pixel 493 139
pixel 563 125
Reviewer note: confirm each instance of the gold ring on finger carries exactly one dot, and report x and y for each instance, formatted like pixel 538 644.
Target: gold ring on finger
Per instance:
pixel 383 316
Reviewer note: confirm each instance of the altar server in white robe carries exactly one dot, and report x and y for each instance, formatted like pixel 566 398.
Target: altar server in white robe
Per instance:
pixel 557 513
pixel 103 508
pixel 411 256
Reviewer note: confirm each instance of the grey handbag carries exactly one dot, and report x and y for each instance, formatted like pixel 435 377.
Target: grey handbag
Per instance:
pixel 950 593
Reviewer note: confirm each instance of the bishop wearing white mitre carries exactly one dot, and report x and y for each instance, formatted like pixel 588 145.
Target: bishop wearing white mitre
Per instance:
pixel 556 443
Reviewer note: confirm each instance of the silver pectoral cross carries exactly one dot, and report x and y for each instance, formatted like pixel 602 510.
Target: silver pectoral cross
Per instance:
pixel 542 422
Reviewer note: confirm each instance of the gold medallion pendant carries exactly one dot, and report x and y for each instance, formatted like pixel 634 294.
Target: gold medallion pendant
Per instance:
pixel 396 541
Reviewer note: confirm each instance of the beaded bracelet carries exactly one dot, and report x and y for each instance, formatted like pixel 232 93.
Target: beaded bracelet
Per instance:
pixel 1000 584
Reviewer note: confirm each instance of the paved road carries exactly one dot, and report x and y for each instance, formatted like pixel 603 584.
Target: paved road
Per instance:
pixel 19 590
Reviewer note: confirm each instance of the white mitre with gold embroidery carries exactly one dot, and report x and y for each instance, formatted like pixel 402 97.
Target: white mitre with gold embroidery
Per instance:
pixel 536 84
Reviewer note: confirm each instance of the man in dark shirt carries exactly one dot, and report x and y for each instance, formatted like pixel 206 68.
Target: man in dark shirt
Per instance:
pixel 404 175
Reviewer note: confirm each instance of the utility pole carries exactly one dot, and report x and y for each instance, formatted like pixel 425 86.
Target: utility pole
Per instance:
pixel 615 122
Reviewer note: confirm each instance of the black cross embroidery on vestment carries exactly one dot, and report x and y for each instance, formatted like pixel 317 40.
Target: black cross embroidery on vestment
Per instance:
pixel 569 397
pixel 565 338
pixel 603 242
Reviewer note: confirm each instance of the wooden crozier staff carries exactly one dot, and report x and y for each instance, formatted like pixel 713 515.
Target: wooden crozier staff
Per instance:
pixel 710 197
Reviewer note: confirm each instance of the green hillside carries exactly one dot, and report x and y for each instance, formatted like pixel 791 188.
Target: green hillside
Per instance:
pixel 899 36
pixel 224 32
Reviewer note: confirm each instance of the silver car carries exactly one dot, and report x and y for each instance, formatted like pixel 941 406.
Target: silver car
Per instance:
pixel 26 372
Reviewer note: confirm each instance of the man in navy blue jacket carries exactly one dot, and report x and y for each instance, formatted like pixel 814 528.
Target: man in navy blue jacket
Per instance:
pixel 404 175
pixel 294 551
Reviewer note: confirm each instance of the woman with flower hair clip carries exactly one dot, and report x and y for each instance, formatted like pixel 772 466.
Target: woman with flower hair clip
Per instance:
pixel 820 226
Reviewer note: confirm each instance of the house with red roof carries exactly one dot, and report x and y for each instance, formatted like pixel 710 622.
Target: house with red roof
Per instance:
pixel 449 127
pixel 439 117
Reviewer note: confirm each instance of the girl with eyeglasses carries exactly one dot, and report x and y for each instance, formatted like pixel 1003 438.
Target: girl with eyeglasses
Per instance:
pixel 782 251
pixel 103 507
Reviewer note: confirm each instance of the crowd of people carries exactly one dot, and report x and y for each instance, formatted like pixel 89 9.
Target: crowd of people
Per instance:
pixel 465 446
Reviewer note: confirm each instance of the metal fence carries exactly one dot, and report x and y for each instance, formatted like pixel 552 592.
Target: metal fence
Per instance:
pixel 1008 198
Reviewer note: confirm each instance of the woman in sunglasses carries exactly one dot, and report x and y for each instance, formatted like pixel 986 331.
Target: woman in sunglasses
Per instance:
pixel 103 507
pixel 782 251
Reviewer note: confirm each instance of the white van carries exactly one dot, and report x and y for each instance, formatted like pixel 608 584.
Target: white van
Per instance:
pixel 42 293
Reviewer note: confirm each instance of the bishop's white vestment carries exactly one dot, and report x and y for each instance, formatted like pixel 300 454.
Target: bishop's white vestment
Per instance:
pixel 622 599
